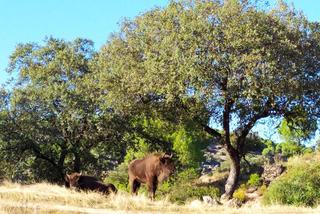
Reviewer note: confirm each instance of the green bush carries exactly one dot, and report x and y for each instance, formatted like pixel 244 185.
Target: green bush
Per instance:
pixel 254 180
pixel 299 186
pixel 190 192
pixel 182 188
pixel 189 143
pixel 119 177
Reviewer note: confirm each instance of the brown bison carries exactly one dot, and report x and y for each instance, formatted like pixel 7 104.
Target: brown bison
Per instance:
pixel 83 182
pixel 150 170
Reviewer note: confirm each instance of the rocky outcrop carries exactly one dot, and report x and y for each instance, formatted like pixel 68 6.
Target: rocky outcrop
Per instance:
pixel 215 154
pixel 271 172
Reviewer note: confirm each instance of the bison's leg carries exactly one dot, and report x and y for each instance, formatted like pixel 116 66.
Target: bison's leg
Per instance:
pixel 131 181
pixel 150 190
pixel 152 187
pixel 135 185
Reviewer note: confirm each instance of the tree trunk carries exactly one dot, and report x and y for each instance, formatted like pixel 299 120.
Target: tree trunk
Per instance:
pixel 77 163
pixel 234 173
pixel 60 166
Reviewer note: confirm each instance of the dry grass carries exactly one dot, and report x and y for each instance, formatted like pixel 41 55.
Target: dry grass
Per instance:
pixel 303 160
pixel 47 198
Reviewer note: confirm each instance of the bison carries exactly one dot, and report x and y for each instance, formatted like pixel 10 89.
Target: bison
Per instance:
pixel 83 182
pixel 150 170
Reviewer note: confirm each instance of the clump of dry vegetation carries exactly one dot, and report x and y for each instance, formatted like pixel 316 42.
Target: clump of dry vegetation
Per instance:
pixel 48 198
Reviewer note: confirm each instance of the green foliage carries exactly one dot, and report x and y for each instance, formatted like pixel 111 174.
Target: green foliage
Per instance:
pixel 293 133
pixel 189 143
pixel 270 148
pixel 300 186
pixel 183 189
pixel 119 177
pixel 240 193
pixel 72 108
pixel 213 44
pixel 289 148
pixel 298 125
pixel 153 132
pixel 254 143
pixel 186 140
pixel 141 148
pixel 254 180
pixel 53 116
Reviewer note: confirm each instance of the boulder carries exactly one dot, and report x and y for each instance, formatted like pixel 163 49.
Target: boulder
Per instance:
pixel 195 203
pixel 271 172
pixel 208 200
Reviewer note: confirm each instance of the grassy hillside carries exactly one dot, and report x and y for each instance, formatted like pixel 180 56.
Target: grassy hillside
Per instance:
pixel 47 198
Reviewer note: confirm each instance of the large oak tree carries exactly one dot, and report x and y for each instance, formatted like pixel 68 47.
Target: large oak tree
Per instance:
pixel 52 118
pixel 235 61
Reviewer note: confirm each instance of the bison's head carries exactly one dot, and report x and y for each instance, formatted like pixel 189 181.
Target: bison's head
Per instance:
pixel 73 179
pixel 166 167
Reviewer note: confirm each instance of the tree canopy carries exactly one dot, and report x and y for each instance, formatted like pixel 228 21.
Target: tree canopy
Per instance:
pixel 53 116
pixel 231 61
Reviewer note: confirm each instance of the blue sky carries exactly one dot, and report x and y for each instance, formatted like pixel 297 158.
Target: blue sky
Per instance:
pixel 24 21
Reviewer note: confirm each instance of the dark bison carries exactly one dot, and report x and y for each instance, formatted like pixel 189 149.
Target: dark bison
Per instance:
pixel 150 170
pixel 84 182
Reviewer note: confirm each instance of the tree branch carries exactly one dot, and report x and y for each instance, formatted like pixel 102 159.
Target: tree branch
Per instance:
pixel 211 131
pixel 41 155
pixel 246 129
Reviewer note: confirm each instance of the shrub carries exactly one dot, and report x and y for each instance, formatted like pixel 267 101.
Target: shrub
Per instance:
pixel 181 194
pixel 119 177
pixel 262 189
pixel 254 180
pixel 240 193
pixel 189 143
pixel 299 186
pixel 182 188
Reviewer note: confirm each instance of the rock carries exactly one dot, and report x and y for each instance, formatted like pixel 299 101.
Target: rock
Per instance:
pixel 207 200
pixel 234 203
pixel 195 203
pixel 253 196
pixel 252 189
pixel 209 166
pixel 271 172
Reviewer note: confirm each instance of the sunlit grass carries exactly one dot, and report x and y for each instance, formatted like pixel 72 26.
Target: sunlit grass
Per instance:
pixel 48 198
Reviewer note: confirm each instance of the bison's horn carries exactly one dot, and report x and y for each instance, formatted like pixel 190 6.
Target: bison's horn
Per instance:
pixel 166 155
